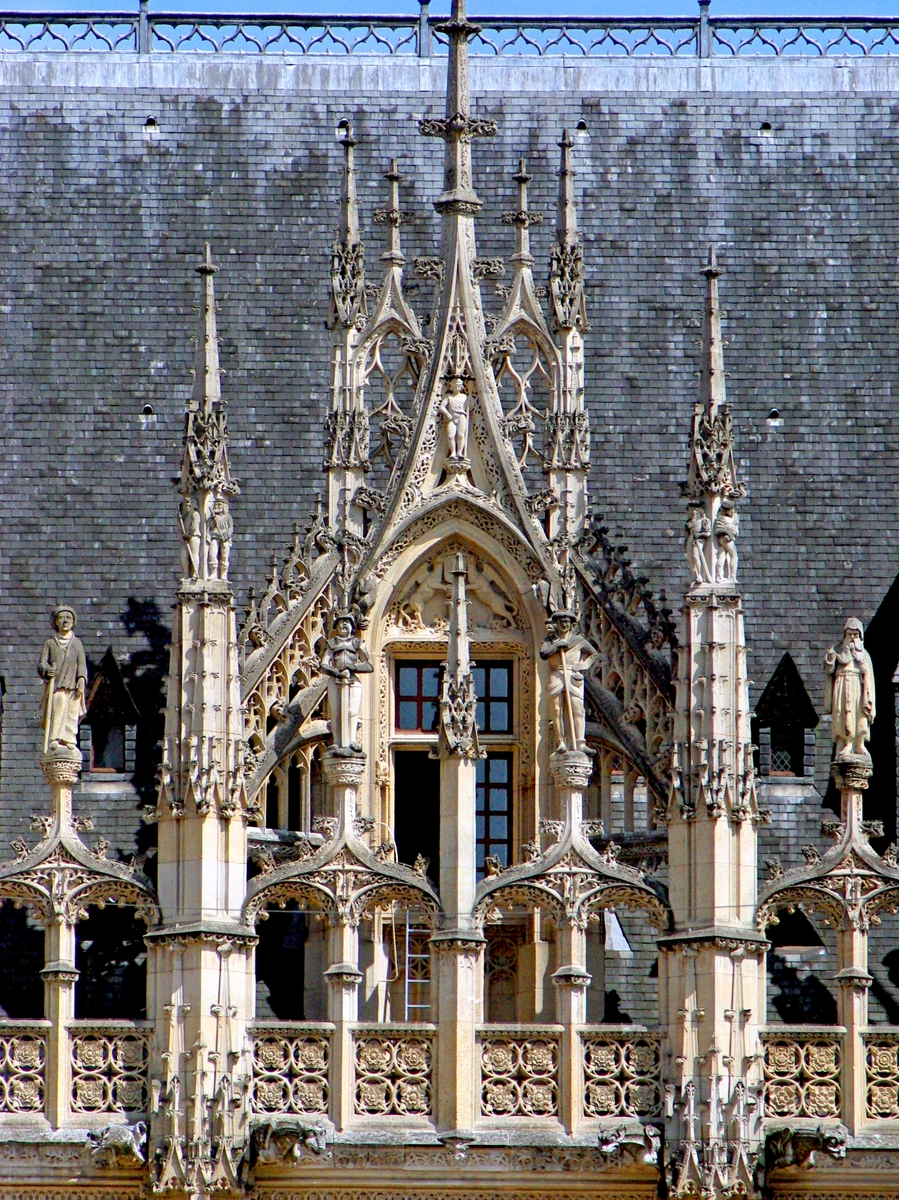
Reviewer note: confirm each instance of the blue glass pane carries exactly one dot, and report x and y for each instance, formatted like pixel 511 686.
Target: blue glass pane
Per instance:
pixel 408 681
pixel 428 715
pixel 499 828
pixel 480 852
pixel 499 799
pixel 408 714
pixel 430 679
pixel 480 716
pixel 499 681
pixel 502 853
pixel 499 770
pixel 479 770
pixel 479 827
pixel 499 716
pixel 479 673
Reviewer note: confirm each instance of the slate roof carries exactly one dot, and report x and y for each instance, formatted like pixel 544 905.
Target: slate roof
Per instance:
pixel 102 222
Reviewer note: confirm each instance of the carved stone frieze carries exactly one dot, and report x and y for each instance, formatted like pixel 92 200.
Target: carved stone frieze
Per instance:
pixel 422 605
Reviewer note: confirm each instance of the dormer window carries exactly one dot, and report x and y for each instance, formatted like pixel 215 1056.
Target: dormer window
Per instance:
pixel 108 732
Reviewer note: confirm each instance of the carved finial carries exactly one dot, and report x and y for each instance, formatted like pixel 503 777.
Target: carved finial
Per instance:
pixel 458 127
pixel 712 391
pixel 566 213
pixel 392 217
pixel 522 219
pixel 458 731
pixel 566 273
pixel 348 256
pixel 712 488
pixel 205 524
pixel 207 392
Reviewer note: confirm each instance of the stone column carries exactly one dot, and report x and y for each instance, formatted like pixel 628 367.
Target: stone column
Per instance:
pixel 343 774
pixel 851 776
pixel 61 770
pixel 571 776
pixel 457 950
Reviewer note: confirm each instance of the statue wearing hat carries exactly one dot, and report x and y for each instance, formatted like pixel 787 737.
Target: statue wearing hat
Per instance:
pixel 849 691
pixel 343 660
pixel 64 670
pixel 570 657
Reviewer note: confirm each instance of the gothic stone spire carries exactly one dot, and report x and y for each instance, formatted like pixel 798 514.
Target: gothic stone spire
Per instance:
pixel 348 255
pixel 566 274
pixel 205 524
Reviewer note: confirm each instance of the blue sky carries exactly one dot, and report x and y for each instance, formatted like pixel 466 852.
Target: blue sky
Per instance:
pixel 478 8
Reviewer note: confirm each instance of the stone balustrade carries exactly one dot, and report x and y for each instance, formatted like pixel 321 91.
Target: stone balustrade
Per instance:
pixel 109 1062
pixel 393 1070
pixel 520 1070
pixel 881 1075
pixel 802 1069
pixel 23 1053
pixel 622 1073
pixel 291 1065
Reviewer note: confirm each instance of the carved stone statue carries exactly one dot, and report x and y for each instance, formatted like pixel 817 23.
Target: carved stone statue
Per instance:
pixel 849 692
pixel 570 657
pixel 727 529
pixel 698 531
pixel 191 522
pixel 221 531
pixel 343 661
pixel 64 670
pixel 454 411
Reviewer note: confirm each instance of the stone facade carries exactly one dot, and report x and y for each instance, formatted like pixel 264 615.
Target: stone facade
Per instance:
pixel 453 1025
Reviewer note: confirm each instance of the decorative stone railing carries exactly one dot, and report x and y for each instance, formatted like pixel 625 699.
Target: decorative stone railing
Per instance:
pixel 802 1066
pixel 622 1073
pixel 109 1062
pixel 291 1063
pixel 702 36
pixel 393 1070
pixel 882 1075
pixel 23 1056
pixel 519 1070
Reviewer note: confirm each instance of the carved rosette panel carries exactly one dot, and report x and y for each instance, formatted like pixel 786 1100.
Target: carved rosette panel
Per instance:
pixel 882 1076
pixel 109 1070
pixel 622 1075
pixel 393 1073
pixel 519 1074
pixel 290 1071
pixel 802 1075
pixel 23 1052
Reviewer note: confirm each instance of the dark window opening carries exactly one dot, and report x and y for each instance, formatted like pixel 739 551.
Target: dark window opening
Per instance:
pixel 493 814
pixel 107 747
pixel 417 689
pixel 501 972
pixel 784 717
pixel 111 959
pixel 109 730
pixel 416 808
pixel 281 962
pixel 294 795
pixel 493 684
pixel 21 963
pixel 272 815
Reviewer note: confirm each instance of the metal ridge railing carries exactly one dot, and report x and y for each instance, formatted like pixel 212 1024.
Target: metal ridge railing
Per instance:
pixel 703 36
